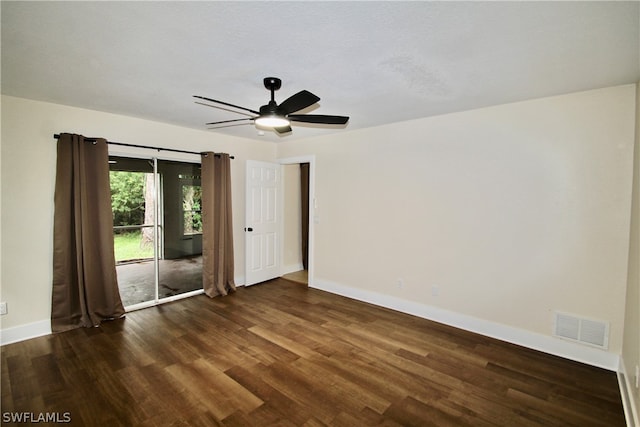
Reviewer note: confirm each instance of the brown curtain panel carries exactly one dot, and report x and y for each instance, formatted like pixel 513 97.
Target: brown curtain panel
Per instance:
pixel 85 285
pixel 304 199
pixel 217 225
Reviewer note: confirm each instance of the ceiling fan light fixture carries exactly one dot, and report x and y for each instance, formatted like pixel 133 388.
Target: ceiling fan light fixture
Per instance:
pixel 279 117
pixel 272 121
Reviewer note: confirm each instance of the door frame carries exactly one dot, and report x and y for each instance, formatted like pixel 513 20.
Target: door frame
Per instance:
pixel 311 159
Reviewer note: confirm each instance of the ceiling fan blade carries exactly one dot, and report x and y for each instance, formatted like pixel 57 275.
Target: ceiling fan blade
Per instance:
pixel 297 102
pixel 227 104
pixel 318 118
pixel 283 129
pixel 229 121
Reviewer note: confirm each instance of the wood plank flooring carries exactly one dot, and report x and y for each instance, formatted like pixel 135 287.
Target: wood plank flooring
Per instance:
pixel 282 354
pixel 301 276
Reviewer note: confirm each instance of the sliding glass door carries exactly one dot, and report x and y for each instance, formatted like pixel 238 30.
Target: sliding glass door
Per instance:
pixel 180 269
pixel 157 229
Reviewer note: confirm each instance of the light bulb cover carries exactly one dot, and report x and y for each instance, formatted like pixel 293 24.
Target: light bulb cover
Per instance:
pixel 272 121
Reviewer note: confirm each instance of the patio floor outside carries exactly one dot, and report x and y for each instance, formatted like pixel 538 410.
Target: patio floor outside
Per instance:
pixel 136 280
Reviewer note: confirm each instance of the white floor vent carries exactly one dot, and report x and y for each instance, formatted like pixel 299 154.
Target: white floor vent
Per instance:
pixel 586 331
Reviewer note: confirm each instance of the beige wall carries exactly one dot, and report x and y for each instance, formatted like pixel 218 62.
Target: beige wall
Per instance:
pixel 28 173
pixel 291 240
pixel 631 347
pixel 511 212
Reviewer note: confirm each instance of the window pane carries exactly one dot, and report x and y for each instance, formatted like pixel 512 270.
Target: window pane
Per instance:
pixel 191 202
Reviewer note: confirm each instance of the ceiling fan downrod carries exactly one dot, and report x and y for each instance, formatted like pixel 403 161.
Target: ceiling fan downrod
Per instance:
pixel 272 84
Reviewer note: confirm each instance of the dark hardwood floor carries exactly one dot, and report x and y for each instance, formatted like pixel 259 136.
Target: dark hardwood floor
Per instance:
pixel 282 354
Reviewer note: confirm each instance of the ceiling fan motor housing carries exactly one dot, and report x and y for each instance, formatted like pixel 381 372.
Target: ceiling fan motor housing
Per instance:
pixel 271 109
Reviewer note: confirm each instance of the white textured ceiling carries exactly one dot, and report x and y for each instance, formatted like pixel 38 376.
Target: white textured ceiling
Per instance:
pixel 377 62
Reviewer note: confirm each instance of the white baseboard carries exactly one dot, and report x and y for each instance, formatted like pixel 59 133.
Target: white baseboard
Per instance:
pixel 547 344
pixel 626 392
pixel 25 332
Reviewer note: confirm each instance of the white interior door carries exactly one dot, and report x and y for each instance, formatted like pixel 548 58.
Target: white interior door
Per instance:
pixel 262 224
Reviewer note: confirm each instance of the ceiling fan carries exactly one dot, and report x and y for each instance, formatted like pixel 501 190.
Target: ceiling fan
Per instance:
pixel 280 117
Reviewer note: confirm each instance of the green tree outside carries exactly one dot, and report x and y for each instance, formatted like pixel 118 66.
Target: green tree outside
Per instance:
pixel 128 207
pixel 127 197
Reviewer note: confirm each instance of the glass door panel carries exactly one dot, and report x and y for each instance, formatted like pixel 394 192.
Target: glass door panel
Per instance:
pixel 133 207
pixel 180 269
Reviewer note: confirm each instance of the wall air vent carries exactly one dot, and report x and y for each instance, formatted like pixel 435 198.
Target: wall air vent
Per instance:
pixel 586 331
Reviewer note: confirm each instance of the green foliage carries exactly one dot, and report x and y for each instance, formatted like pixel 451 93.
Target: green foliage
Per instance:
pixel 127 197
pixel 191 206
pixel 130 246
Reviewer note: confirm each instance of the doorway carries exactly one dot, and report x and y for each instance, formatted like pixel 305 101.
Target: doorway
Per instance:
pixel 298 207
pixel 157 229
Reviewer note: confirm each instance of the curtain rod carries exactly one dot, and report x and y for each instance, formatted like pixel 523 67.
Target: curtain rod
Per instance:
pixel 173 150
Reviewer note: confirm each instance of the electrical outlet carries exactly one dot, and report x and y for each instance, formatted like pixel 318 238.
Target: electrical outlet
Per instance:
pixel 3 308
pixel 435 291
pixel 400 284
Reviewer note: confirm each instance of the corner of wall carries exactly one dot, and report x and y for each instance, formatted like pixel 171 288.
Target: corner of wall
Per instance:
pixel 630 357
pixel 626 393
